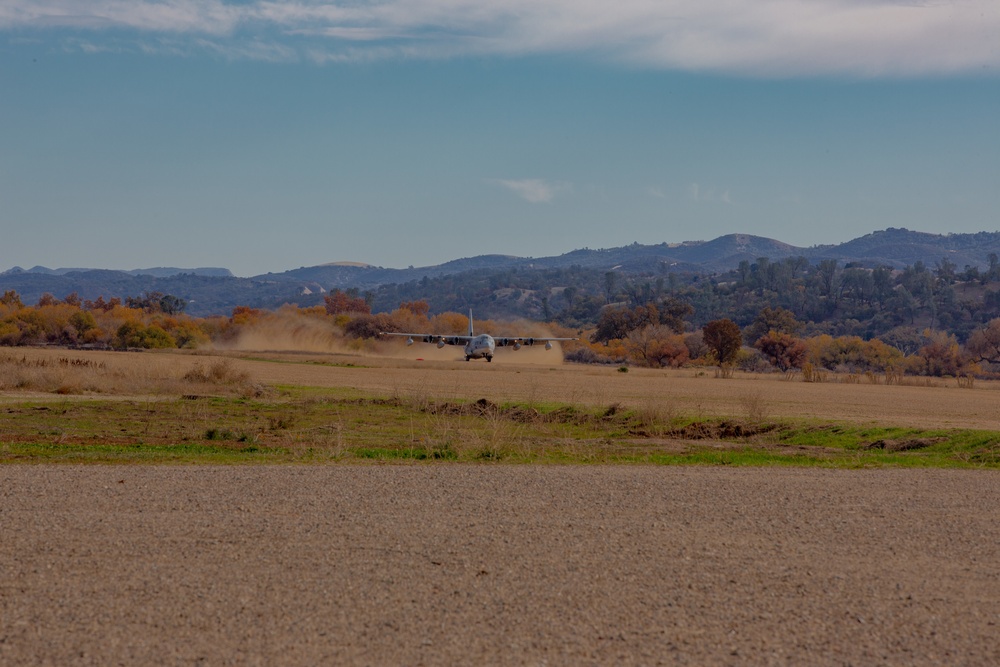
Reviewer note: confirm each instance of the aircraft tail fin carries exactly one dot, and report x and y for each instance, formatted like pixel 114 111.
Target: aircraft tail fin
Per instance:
pixel 470 323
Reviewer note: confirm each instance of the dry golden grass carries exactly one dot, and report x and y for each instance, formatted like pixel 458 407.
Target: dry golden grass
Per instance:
pixel 71 372
pixel 918 402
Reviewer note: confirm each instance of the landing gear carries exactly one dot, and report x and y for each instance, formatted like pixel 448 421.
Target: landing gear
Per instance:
pixel 489 358
pixel 467 357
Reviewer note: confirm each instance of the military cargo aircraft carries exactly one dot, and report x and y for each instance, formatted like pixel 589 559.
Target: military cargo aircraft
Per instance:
pixel 480 346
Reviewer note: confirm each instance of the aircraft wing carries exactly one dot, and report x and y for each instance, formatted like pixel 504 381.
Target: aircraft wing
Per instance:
pixel 440 339
pixel 518 341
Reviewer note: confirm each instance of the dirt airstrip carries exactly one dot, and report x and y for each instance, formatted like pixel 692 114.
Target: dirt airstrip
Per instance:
pixel 489 564
pixel 536 375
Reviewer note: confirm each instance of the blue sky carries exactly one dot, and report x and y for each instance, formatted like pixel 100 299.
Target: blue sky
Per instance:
pixel 264 136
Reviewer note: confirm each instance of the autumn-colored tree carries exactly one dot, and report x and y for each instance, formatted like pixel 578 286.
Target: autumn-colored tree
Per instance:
pixel 782 350
pixel 984 344
pixel 618 323
pixel 672 313
pixel 695 343
pixel 450 323
pixel 657 346
pixel 83 321
pixel 135 334
pixel 343 302
pixel 10 333
pixel 614 324
pixel 188 334
pixel 72 299
pixel 149 302
pixel 941 355
pixel 770 319
pixel 101 304
pixel 12 299
pixel 47 300
pixel 724 338
pixel 245 313
pixel 370 326
pixel 418 308
pixel 881 357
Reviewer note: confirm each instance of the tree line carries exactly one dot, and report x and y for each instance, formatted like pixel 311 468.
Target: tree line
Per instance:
pixel 782 316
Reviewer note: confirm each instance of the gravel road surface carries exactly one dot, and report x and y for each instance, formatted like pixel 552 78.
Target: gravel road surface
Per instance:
pixel 491 564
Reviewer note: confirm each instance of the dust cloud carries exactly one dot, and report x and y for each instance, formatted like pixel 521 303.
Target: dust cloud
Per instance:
pixel 290 331
pixel 536 355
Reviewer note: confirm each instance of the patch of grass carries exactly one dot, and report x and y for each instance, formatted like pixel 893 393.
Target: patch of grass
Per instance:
pixel 304 425
pixel 304 362
pixel 33 452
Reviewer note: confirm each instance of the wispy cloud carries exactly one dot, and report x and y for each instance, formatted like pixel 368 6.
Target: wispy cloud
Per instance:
pixel 698 193
pixel 533 190
pixel 764 37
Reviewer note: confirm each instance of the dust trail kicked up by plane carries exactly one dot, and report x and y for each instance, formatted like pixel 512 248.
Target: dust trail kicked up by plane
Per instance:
pixel 482 346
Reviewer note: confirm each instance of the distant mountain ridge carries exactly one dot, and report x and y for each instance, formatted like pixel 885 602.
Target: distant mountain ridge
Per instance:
pixel 156 272
pixel 216 291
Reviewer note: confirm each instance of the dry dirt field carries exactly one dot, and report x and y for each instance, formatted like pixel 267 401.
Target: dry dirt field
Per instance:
pixel 494 564
pixel 491 564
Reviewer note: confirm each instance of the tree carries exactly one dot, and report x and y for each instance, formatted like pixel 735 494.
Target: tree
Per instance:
pixel 941 355
pixel 672 313
pixel 11 298
pixel 101 304
pixel 782 350
pixel 614 324
pixel 134 334
pixel 370 326
pixel 618 323
pixel 172 305
pixel 724 339
pixel 83 321
pixel 657 346
pixel 338 302
pixel 610 284
pixel 826 273
pixel 418 308
pixel 984 344
pixel 772 319
pixel 946 271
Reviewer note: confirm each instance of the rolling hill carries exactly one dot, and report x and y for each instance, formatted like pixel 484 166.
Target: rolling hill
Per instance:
pixel 210 291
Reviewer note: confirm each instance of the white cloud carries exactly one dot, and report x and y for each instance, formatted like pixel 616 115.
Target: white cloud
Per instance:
pixel 533 190
pixel 756 37
pixel 699 194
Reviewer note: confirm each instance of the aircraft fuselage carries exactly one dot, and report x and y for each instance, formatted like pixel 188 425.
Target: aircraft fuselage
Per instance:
pixel 480 347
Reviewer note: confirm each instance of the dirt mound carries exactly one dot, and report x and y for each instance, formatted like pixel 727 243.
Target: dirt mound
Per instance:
pixel 902 444
pixel 486 408
pixel 726 429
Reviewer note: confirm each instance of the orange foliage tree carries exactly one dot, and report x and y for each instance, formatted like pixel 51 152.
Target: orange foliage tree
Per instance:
pixel 782 350
pixel 342 302
pixel 656 347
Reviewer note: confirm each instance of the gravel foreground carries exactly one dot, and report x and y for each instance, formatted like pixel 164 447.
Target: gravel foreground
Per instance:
pixel 490 564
